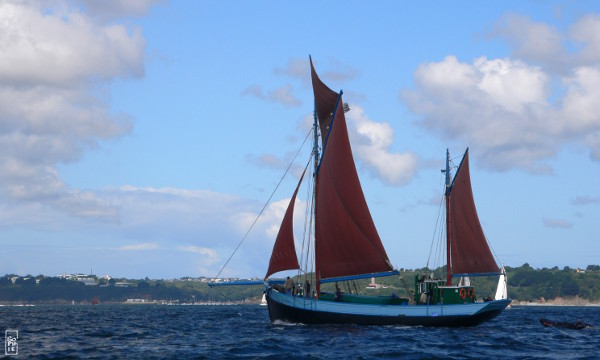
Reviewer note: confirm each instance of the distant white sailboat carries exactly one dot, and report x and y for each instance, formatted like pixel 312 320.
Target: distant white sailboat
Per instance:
pixel 263 302
pixel 502 291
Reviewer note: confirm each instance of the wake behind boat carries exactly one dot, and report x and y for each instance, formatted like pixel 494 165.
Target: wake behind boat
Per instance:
pixel 346 245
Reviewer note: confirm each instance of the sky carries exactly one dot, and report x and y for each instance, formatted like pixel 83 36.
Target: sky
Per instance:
pixel 142 138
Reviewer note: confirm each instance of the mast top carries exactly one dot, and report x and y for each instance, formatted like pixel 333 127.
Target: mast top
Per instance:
pixel 447 170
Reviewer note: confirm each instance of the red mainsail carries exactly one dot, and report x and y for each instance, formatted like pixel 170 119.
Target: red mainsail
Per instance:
pixel 346 240
pixel 284 255
pixel 469 250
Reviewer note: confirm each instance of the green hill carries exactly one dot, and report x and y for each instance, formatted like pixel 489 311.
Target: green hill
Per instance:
pixel 525 284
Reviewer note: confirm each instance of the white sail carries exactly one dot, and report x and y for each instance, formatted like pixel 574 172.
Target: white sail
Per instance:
pixel 501 291
pixel 264 300
pixel 464 281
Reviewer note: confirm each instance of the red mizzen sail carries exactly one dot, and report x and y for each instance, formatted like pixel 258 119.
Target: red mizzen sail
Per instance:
pixel 284 255
pixel 470 253
pixel 346 240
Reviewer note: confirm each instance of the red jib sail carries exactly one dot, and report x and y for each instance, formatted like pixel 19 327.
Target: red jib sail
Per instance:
pixel 470 253
pixel 284 255
pixel 346 240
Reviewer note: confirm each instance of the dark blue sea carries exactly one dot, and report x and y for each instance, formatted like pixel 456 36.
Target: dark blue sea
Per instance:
pixel 244 331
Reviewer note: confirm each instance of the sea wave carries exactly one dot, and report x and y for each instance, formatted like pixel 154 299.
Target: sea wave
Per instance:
pixel 244 331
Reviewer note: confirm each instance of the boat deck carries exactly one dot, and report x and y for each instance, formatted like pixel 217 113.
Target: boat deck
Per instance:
pixel 365 299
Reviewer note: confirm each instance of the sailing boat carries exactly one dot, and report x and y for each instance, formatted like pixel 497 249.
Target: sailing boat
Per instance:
pixel 347 245
pixel 502 290
pixel 263 301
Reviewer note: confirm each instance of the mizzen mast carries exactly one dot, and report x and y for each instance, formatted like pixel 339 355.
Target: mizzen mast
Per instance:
pixel 447 198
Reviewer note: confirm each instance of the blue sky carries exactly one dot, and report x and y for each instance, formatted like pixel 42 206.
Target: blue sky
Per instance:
pixel 142 138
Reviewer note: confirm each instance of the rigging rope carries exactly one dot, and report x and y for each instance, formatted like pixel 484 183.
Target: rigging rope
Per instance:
pixel 438 254
pixel 435 228
pixel 306 236
pixel 265 206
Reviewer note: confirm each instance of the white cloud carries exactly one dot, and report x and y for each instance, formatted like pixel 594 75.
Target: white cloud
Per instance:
pixel 264 232
pixel 502 109
pixel 282 95
pixel 61 50
pixel 371 142
pixel 209 256
pixel 517 112
pixel 268 161
pixel 296 69
pixel 556 52
pixel 511 84
pixel 274 216
pixel 557 223
pixel 54 64
pixel 273 162
pixel 342 72
pixel 580 104
pixel 530 41
pixel 112 9
pixel 192 216
pixel 268 223
pixel 299 69
pixel 585 200
pixel 138 247
pixel 586 32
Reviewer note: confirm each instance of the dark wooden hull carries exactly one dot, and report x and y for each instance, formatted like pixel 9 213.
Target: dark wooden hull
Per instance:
pixel 300 314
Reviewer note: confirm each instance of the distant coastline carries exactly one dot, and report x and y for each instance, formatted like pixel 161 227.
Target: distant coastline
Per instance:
pixel 526 287
pixel 151 302
pixel 574 301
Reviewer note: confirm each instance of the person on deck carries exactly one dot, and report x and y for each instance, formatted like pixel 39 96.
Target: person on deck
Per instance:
pixel 307 289
pixel 430 296
pixel 423 298
pixel 338 293
pixel 289 284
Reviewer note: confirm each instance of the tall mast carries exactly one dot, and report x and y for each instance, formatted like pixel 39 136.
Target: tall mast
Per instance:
pixel 316 163
pixel 447 197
